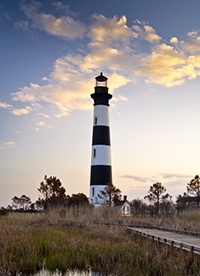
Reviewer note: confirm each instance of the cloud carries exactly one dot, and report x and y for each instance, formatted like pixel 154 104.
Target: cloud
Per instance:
pixel 137 21
pixel 117 98
pixel 174 175
pixel 169 66
pixel 16 111
pixel 22 111
pixel 175 184
pixel 73 75
pixel 192 46
pixel 69 86
pixel 45 115
pixel 174 40
pixel 43 124
pixel 8 145
pixel 64 26
pixel 5 105
pixel 116 81
pixel 172 179
pixel 105 30
pixel 63 8
pixel 193 33
pixel 22 25
pixel 147 33
pixel 165 64
pixel 150 35
pixel 16 131
pixel 34 128
pixel 138 178
pixel 62 96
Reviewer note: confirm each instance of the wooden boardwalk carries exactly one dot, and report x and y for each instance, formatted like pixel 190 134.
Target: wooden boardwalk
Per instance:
pixel 185 242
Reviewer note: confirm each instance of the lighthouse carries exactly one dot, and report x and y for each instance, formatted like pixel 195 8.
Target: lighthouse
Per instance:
pixel 101 169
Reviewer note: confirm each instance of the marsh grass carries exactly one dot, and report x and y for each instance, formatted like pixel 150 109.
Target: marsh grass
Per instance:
pixel 188 220
pixel 30 242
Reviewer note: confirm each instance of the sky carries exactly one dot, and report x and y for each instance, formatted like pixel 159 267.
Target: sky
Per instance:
pixel 50 54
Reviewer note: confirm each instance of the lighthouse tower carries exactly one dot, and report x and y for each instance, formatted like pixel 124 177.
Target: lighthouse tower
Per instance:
pixel 101 170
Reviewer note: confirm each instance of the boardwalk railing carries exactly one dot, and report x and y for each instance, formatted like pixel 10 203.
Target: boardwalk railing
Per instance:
pixel 170 242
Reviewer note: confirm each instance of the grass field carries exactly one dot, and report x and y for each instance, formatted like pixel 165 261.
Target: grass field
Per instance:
pixel 30 242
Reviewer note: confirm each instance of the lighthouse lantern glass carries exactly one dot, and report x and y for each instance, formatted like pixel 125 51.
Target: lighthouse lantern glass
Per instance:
pixel 101 83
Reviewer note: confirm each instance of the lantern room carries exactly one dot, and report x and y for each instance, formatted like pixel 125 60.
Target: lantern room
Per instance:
pixel 101 80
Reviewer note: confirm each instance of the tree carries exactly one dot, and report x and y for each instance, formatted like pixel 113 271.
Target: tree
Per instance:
pixel 22 202
pixel 52 192
pixel 156 194
pixel 39 205
pixel 181 201
pixel 77 199
pixel 193 188
pixel 110 195
pixel 138 207
pixel 15 203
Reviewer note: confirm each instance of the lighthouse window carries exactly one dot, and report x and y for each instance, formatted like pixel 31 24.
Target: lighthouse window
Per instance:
pixel 92 191
pixel 95 120
pixel 95 153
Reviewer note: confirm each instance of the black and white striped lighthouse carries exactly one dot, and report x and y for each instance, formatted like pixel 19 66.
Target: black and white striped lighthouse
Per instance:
pixel 101 169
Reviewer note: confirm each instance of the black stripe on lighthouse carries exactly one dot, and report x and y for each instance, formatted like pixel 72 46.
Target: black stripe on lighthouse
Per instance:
pixel 101 135
pixel 101 175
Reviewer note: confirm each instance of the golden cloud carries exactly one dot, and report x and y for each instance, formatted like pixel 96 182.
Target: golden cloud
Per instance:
pixel 111 49
pixel 44 115
pixel 21 111
pixel 5 105
pixel 168 66
pixel 147 33
pixel 150 35
pixel 174 40
pixel 105 30
pixel 43 124
pixel 64 26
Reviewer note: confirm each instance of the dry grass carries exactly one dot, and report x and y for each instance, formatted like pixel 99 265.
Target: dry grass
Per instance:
pixel 30 242
pixel 86 215
pixel 188 220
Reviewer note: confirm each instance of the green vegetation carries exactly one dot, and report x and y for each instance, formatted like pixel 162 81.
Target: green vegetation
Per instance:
pixel 53 240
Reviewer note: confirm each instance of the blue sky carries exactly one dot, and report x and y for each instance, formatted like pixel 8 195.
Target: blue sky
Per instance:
pixel 50 54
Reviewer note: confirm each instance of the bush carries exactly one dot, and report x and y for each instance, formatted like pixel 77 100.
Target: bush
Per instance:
pixel 3 212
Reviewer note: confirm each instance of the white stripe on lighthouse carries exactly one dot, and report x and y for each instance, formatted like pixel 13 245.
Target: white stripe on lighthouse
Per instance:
pixel 101 115
pixel 94 191
pixel 101 155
